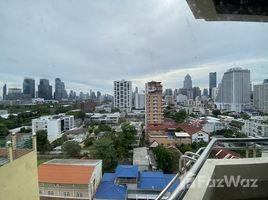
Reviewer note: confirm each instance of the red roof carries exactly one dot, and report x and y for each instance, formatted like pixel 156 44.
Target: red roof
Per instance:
pixel 188 128
pixel 224 153
pixel 64 174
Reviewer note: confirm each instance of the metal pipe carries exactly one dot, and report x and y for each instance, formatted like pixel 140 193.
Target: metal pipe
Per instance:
pixel 185 183
pixel 191 154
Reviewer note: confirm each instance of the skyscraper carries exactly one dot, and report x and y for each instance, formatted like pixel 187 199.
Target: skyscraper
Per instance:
pixel 196 92
pixel 212 82
pixel 123 95
pixel 234 90
pixel 153 105
pixel 187 83
pixel 205 92
pixel 29 87
pixel 261 96
pixel 4 91
pixel 60 92
pixel 44 89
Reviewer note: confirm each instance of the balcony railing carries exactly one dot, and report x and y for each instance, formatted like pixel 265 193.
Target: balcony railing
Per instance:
pixel 244 144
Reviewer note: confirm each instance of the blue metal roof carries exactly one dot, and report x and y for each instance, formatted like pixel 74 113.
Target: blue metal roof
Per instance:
pixel 108 177
pixel 156 181
pixel 108 190
pixel 126 171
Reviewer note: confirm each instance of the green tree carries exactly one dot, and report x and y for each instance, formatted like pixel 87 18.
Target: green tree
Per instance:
pixel 166 160
pixel 216 112
pixel 42 142
pixel 185 147
pixel 103 149
pixel 3 130
pixel 71 148
pixel 88 141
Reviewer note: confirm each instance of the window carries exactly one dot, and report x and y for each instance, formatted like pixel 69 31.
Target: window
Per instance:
pixel 50 192
pixel 66 194
pixel 79 194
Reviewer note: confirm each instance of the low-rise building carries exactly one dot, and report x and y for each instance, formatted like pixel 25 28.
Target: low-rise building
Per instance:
pixel 256 126
pixel 133 184
pixel 69 179
pixel 109 118
pixel 168 139
pixel 55 125
pixel 141 158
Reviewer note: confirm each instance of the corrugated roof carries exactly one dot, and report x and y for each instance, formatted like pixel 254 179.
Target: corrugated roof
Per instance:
pixel 188 128
pixel 156 181
pixel 64 174
pixel 127 171
pixel 108 190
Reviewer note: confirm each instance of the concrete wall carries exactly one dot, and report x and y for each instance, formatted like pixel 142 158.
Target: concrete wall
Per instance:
pixel 19 179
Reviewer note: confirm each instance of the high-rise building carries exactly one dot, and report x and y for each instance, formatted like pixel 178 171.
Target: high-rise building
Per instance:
pixel 44 89
pixel 153 105
pixel 169 92
pixel 187 83
pixel 29 87
pixel 260 96
pixel 139 101
pixel 196 92
pixel 123 95
pixel 234 90
pixel 4 91
pixel 205 92
pixel 60 92
pixel 212 82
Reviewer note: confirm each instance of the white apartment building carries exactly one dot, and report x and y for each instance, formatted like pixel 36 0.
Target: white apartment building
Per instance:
pixel 234 90
pixel 55 125
pixel 109 118
pixel 261 96
pixel 139 101
pixel 213 124
pixel 256 126
pixel 123 95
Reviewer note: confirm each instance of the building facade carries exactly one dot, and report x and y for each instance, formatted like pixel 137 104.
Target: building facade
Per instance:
pixel 53 124
pixel 260 96
pixel 212 82
pixel 234 90
pixel 29 87
pixel 123 95
pixel 60 92
pixel 139 101
pixel 187 83
pixel 154 115
pixel 44 89
pixel 69 179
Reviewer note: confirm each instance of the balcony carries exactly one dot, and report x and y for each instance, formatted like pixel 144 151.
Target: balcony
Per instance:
pixel 206 175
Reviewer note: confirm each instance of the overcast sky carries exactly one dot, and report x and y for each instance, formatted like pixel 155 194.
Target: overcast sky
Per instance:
pixel 91 43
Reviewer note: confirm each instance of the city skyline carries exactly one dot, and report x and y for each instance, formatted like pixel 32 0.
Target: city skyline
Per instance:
pixel 157 40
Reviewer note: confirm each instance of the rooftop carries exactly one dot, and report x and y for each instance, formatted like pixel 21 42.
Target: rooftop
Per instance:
pixel 66 171
pixel 126 171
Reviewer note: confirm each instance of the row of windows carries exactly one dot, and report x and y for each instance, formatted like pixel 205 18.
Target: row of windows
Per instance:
pixel 66 194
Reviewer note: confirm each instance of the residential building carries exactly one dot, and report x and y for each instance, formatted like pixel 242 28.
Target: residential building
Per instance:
pixel 260 96
pixel 29 87
pixel 187 83
pixel 154 106
pixel 55 125
pixel 60 92
pixel 168 139
pixel 181 98
pixel 212 124
pixel 123 95
pixel 212 82
pixel 44 89
pixel 129 183
pixel 195 132
pixel 69 179
pixel 87 105
pixel 106 118
pixel 234 90
pixel 256 126
pixel 18 169
pixel 139 101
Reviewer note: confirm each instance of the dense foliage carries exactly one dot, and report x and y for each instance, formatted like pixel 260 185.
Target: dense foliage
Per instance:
pixel 71 149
